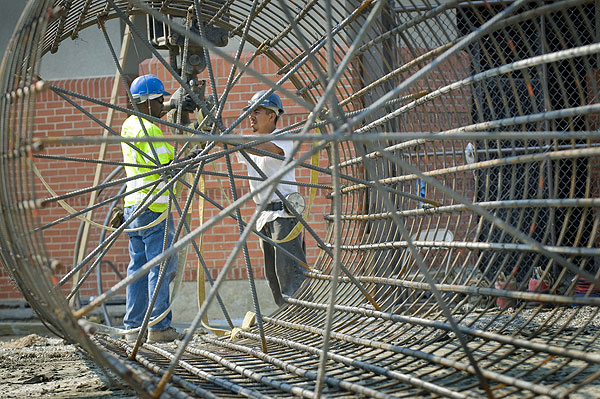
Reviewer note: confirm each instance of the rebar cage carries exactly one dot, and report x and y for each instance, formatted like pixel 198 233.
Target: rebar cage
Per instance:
pixel 460 251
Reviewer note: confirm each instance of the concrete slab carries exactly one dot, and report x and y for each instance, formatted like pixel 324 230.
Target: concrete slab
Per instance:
pixel 235 295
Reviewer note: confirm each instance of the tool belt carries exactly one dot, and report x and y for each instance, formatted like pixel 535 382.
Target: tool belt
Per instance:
pixel 274 206
pixel 294 199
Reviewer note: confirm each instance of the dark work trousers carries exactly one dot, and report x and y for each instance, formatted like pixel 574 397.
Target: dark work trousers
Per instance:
pixel 283 273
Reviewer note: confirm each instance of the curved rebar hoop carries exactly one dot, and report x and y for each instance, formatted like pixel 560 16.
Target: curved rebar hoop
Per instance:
pixel 450 155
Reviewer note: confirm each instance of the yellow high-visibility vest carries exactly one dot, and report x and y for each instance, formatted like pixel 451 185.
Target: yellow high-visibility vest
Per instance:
pixel 132 128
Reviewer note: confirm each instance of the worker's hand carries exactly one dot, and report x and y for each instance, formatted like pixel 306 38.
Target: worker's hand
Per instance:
pixel 180 96
pixel 116 217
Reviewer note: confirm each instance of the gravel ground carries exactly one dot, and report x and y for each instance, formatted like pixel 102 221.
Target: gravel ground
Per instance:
pixel 39 367
pixel 34 366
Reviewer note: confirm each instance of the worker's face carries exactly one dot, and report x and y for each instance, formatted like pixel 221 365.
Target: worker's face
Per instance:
pixel 155 106
pixel 262 120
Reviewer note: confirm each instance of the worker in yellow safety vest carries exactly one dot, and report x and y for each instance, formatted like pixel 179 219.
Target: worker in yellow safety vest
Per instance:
pixel 144 244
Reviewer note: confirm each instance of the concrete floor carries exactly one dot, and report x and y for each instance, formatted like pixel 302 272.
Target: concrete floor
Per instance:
pixel 17 318
pixel 236 297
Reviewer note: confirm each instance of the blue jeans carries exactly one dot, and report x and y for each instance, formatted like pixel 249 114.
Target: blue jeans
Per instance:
pixel 143 246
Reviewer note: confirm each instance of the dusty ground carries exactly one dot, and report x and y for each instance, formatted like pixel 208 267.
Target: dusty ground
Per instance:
pixel 35 366
pixel 40 367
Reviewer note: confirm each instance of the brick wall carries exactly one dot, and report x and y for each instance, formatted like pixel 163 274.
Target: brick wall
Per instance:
pixel 55 117
pixel 8 289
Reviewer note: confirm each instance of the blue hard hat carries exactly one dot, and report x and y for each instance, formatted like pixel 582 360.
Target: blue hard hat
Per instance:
pixel 272 101
pixel 147 87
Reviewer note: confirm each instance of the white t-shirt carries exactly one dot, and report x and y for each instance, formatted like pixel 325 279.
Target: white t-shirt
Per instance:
pixel 269 167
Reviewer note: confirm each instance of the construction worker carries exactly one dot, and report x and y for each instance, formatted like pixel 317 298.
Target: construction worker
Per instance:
pixel 284 274
pixel 148 93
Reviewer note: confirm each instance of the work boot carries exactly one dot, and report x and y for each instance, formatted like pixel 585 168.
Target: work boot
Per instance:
pixel 168 335
pixel 132 337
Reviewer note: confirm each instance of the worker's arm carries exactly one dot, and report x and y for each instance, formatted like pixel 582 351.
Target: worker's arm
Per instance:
pixel 180 97
pixel 266 146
